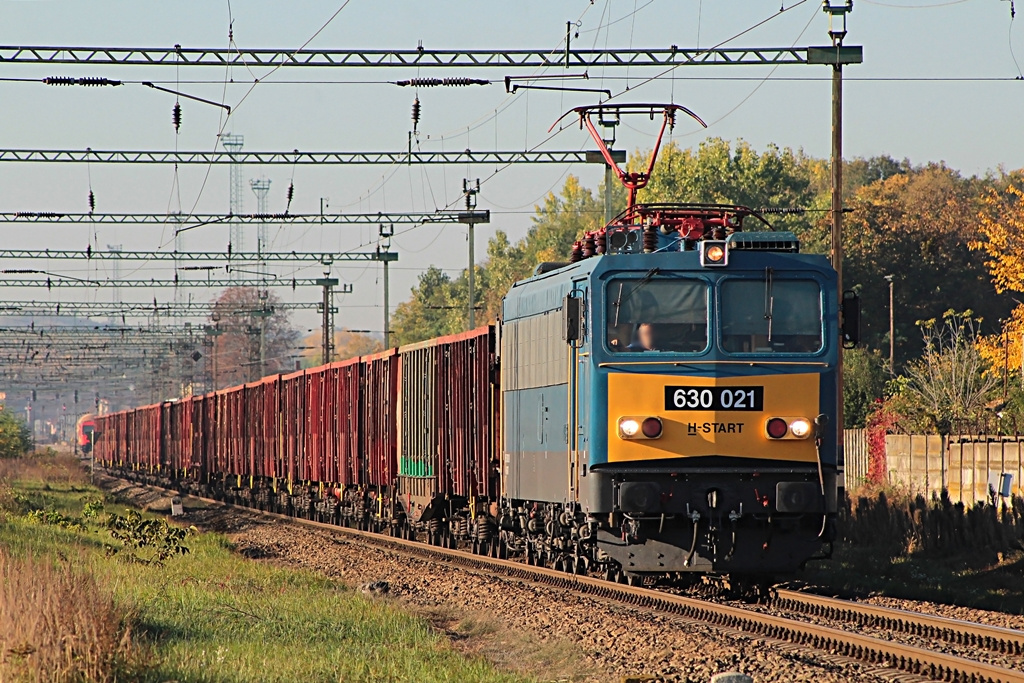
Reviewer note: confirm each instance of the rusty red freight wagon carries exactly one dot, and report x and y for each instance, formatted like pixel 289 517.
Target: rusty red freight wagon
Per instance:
pixel 379 419
pixel 448 429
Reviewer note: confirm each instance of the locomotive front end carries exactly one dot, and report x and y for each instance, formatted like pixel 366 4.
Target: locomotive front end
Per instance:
pixel 713 425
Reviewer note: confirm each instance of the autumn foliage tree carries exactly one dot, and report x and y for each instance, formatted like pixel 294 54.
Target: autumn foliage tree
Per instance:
pixel 347 344
pixel 916 226
pixel 1001 239
pixel 239 314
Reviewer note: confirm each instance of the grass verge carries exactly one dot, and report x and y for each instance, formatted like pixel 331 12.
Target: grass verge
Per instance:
pixel 211 615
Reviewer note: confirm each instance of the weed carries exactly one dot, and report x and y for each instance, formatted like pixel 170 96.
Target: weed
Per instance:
pixel 56 519
pixel 136 532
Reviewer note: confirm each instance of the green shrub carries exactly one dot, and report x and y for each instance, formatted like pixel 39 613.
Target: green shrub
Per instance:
pixel 135 532
pixel 15 437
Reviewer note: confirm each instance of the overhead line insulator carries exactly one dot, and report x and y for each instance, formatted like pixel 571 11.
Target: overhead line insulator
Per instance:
pixel 86 81
pixel 453 82
pixel 176 116
pixel 416 114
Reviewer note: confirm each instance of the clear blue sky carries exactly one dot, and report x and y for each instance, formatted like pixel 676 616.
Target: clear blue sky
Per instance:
pixel 972 125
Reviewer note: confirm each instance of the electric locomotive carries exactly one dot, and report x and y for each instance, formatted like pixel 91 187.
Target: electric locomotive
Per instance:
pixel 670 397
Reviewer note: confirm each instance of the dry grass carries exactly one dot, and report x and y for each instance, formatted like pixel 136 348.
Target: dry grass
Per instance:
pixel 47 468
pixel 56 624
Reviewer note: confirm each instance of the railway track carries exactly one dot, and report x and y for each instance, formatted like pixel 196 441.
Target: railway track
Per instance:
pixel 921 659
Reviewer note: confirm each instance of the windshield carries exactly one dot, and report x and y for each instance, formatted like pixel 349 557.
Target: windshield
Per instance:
pixel 650 315
pixel 771 315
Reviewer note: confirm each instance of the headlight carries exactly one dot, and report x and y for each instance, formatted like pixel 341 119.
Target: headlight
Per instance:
pixel 640 427
pixel 788 428
pixel 800 428
pixel 713 253
pixel 628 427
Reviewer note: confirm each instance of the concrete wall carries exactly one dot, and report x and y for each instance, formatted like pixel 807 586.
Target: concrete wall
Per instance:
pixel 964 465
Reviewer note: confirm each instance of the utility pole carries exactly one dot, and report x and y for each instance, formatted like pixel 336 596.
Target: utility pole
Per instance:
pixel 609 123
pixel 836 56
pixel 327 348
pixel 261 188
pixel 470 193
pixel 212 332
pixel 116 276
pixel 385 256
pixel 892 327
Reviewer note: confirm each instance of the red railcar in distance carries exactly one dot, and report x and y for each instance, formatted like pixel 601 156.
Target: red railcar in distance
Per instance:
pixel 379 417
pixel 374 441
pixel 347 395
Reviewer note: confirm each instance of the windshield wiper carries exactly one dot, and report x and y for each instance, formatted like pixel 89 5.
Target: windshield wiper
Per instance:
pixel 769 299
pixel 640 283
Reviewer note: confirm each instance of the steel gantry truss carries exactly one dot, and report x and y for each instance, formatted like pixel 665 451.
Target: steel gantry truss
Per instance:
pixel 53 281
pixel 178 56
pixel 292 158
pixel 401 218
pixel 324 258
pixel 187 309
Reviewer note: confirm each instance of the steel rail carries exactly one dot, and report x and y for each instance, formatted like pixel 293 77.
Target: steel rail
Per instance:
pixel 994 638
pixel 897 656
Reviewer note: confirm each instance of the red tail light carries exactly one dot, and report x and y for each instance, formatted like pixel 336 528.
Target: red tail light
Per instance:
pixel 651 428
pixel 776 428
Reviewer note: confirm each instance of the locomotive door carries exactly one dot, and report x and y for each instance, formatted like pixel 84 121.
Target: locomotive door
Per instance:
pixel 578 385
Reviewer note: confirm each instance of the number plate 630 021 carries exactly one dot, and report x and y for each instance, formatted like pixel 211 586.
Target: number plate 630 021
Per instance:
pixel 714 398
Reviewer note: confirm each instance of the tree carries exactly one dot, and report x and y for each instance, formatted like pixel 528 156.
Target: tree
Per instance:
pixel 718 172
pixel 435 309
pixel 864 380
pixel 347 345
pixel 1001 230
pixel 560 221
pixel 15 437
pixel 912 226
pixel 238 314
pixel 439 303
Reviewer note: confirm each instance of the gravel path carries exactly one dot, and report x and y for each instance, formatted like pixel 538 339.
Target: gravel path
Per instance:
pixel 521 627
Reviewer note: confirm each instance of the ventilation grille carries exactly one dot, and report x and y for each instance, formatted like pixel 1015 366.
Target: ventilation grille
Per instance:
pixel 765 241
